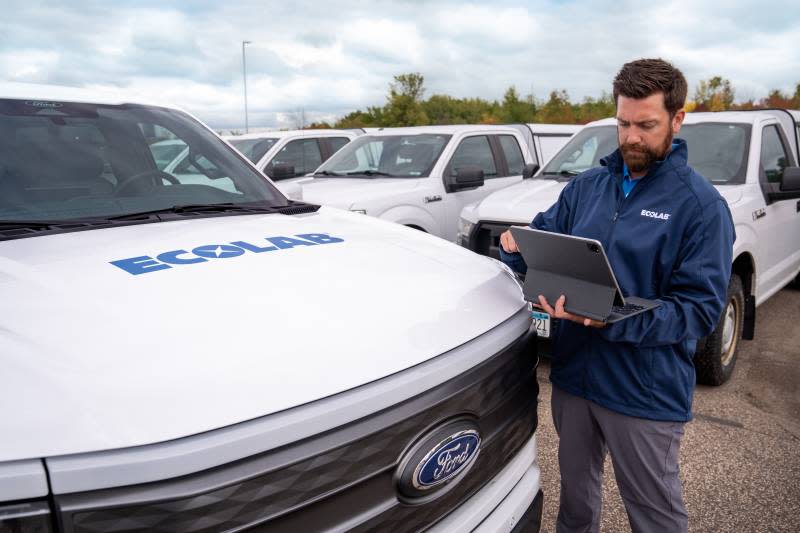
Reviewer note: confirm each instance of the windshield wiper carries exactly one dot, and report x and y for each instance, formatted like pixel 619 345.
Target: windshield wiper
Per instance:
pixel 12 229
pixel 370 173
pixel 327 173
pixel 562 173
pixel 227 207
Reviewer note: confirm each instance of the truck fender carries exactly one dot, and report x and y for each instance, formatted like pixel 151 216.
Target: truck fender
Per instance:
pixel 410 215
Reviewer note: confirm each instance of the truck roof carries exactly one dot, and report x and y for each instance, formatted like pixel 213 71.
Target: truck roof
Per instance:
pixel 555 128
pixel 288 133
pixel 442 130
pixel 744 116
pixel 38 91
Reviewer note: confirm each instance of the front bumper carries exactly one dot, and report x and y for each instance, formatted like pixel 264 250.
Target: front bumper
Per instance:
pixel 512 501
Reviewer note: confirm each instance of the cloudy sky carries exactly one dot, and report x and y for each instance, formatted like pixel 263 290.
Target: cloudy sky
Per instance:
pixel 331 57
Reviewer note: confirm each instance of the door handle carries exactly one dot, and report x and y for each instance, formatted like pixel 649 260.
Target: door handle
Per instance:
pixel 798 206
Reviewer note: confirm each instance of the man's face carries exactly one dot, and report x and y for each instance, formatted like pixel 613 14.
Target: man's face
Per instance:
pixel 645 130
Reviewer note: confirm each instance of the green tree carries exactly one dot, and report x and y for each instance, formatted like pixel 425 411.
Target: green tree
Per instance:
pixel 715 94
pixel 516 110
pixel 556 110
pixel 595 109
pixel 403 106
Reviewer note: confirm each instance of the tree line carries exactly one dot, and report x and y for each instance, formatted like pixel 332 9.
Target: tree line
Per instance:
pixel 406 106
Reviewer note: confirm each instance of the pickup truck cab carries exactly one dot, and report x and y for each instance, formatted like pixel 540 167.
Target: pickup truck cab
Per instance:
pixel 290 155
pixel 212 356
pixel 423 176
pixel 752 159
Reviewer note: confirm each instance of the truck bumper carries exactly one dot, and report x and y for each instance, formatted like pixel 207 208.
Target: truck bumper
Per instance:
pixel 512 501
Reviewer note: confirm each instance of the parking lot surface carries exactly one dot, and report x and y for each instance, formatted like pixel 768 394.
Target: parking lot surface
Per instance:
pixel 740 456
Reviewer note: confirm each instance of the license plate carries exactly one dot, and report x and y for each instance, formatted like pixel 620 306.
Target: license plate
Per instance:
pixel 541 321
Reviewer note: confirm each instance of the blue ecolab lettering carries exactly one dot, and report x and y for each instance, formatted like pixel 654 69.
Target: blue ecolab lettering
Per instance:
pixel 253 248
pixel 173 259
pixel 139 265
pixel 287 242
pixel 320 238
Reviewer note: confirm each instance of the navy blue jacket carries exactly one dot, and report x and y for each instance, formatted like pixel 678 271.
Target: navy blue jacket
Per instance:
pixel 671 239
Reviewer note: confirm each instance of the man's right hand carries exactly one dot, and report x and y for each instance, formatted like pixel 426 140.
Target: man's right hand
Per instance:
pixel 508 243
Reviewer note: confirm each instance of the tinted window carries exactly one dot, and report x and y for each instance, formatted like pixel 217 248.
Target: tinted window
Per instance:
pixel 337 143
pixel 773 155
pixel 302 154
pixel 253 149
pixel 390 155
pixel 717 151
pixel 61 161
pixel 513 154
pixel 474 151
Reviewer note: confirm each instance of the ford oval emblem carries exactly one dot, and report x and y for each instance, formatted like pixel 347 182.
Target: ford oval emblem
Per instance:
pixel 439 457
pixel 447 459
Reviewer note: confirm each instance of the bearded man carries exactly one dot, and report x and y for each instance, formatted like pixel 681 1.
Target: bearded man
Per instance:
pixel 626 388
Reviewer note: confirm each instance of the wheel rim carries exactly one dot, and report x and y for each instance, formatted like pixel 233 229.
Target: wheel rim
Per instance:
pixel 729 332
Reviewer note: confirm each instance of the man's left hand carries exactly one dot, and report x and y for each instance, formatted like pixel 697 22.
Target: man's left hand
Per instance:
pixel 559 312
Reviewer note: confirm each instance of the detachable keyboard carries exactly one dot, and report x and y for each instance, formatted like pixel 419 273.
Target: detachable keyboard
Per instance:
pixel 627 309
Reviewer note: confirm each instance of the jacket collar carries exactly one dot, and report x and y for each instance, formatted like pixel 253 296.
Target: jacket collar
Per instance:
pixel 676 158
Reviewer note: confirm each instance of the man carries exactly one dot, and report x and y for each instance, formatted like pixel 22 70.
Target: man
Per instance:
pixel 626 387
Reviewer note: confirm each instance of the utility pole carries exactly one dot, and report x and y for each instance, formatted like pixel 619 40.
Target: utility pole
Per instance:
pixel 244 76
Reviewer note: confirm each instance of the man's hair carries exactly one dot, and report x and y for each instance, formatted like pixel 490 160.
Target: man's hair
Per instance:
pixel 644 77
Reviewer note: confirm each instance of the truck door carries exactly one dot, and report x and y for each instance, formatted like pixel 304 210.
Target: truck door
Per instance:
pixel 781 218
pixel 501 159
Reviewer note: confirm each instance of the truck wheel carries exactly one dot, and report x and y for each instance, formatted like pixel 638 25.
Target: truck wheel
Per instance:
pixel 716 354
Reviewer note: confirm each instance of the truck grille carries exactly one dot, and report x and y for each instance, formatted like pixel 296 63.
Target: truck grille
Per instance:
pixel 343 479
pixel 485 238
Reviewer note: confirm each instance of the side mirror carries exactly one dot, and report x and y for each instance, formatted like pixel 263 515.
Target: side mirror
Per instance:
pixel 281 171
pixel 466 177
pixel 790 181
pixel 529 170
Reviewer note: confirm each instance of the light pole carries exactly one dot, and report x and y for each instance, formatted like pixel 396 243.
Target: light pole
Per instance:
pixel 244 75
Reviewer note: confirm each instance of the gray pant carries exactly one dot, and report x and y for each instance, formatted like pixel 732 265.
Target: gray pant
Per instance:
pixel 644 454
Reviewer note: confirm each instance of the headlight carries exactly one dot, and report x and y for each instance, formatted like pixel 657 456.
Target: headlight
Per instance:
pixel 464 231
pixel 31 517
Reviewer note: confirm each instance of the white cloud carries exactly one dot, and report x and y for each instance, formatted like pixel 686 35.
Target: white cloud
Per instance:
pixel 334 57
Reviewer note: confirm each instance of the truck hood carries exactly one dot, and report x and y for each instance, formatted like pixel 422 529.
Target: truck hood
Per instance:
pixel 356 193
pixel 96 358
pixel 520 202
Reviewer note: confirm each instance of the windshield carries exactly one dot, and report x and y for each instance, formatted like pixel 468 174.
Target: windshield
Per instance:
pixel 397 156
pixel 253 149
pixel 64 161
pixel 717 151
pixel 164 152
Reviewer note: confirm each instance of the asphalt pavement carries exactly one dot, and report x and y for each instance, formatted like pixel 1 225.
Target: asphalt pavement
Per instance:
pixel 740 456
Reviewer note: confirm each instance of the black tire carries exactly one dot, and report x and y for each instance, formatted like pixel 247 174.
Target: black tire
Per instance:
pixel 716 354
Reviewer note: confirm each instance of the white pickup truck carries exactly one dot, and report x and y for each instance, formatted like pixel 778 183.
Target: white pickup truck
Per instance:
pixel 752 159
pixel 423 176
pixel 287 155
pixel 197 356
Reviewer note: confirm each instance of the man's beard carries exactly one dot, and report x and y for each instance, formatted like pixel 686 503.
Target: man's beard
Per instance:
pixel 639 157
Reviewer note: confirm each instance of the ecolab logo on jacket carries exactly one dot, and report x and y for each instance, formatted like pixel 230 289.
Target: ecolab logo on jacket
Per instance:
pixel 653 214
pixel 144 264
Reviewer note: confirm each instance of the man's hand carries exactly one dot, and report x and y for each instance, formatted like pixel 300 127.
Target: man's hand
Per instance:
pixel 559 312
pixel 508 243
